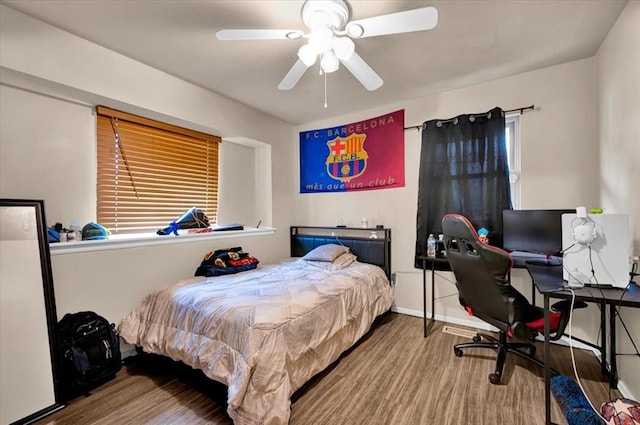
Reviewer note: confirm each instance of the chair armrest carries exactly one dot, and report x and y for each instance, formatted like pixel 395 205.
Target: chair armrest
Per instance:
pixel 517 327
pixel 564 307
pixel 511 309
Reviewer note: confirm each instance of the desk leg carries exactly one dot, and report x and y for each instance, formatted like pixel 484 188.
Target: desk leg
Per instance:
pixel 613 364
pixel 603 338
pixel 533 291
pixel 433 294
pixel 547 360
pixel 427 329
pixel 424 297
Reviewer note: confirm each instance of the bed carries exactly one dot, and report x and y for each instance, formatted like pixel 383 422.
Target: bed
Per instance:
pixel 266 332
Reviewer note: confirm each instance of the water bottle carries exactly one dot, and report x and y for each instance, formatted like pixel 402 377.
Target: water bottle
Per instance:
pixel 431 246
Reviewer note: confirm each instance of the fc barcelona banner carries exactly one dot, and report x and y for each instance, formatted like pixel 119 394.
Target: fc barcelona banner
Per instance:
pixel 364 155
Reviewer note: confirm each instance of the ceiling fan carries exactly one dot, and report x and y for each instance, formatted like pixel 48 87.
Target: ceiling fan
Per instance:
pixel 330 38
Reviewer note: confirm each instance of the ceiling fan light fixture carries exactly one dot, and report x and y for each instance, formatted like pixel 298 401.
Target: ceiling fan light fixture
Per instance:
pixel 343 47
pixel 307 54
pixel 329 62
pixel 321 39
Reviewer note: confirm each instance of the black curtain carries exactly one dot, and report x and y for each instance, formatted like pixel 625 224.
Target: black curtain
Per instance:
pixel 463 169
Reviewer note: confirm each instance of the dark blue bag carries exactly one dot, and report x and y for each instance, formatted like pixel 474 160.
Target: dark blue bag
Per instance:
pixel 90 350
pixel 226 261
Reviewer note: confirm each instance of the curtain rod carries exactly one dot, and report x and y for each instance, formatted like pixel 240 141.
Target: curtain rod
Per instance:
pixel 521 110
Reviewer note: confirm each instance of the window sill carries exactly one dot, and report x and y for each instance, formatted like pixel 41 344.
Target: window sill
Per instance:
pixel 149 239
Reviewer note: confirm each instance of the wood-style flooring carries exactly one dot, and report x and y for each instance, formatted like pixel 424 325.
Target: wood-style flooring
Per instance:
pixel 392 376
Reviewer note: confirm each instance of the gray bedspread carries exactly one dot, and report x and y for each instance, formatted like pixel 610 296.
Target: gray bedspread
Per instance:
pixel 263 333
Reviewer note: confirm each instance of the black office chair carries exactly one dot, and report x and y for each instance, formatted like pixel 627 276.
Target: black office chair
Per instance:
pixel 482 278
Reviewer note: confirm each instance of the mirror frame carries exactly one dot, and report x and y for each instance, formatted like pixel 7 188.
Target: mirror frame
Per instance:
pixel 49 303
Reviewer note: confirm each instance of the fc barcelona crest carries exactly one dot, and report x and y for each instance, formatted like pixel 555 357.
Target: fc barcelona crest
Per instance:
pixel 347 158
pixel 334 159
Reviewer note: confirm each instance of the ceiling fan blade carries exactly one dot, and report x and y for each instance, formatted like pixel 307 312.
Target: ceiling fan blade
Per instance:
pixel 363 72
pixel 293 76
pixel 259 34
pixel 421 19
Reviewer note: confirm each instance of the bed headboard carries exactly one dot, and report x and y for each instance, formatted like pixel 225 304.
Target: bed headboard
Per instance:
pixel 368 250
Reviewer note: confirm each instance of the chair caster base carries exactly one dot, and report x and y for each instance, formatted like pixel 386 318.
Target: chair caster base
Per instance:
pixel 494 378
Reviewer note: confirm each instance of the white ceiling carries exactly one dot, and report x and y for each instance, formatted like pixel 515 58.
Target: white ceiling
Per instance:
pixel 474 41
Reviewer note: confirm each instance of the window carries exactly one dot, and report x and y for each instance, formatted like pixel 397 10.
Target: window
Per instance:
pixel 512 137
pixel 150 173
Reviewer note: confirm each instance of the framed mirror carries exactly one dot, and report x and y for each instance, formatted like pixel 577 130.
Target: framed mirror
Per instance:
pixel 29 358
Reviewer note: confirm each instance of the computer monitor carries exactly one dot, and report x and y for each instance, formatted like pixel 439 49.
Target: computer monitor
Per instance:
pixel 536 232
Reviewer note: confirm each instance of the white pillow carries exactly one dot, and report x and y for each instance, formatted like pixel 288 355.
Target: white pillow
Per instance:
pixel 341 262
pixel 328 252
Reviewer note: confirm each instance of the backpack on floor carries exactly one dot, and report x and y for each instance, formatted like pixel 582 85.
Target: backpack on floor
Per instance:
pixel 90 351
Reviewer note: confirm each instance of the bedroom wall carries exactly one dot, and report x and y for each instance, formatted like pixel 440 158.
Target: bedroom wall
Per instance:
pixel 49 82
pixel 618 84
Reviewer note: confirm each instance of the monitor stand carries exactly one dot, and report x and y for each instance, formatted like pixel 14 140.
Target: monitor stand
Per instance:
pixel 549 261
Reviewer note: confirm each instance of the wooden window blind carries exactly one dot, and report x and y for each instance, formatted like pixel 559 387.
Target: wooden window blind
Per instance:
pixel 150 173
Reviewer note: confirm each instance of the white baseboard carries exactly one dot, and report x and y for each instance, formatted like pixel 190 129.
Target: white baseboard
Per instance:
pixel 127 350
pixel 626 391
pixel 440 318
pixel 406 311
pixel 575 344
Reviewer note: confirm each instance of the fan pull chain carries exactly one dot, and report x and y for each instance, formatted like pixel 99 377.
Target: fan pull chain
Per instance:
pixel 325 90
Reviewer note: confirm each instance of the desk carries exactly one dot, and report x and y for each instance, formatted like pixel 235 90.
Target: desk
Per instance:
pixel 548 280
